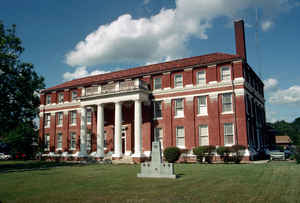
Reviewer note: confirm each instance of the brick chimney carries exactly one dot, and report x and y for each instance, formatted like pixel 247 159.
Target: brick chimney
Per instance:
pixel 240 42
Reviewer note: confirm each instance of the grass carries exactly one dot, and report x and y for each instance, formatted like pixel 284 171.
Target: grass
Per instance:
pixel 272 182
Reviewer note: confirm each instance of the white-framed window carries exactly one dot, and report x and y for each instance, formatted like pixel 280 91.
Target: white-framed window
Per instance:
pixel 72 141
pixel 228 134
pixel 47 120
pixel 157 109
pixel 60 116
pixel 73 117
pixel 88 141
pixel 178 81
pixel 89 116
pixel 47 142
pixel 180 137
pixel 227 102
pixel 202 105
pixel 158 135
pixel 203 135
pixel 58 141
pixel 48 99
pixel 179 110
pixel 201 78
pixel 74 95
pixel 157 83
pixel 61 98
pixel 225 73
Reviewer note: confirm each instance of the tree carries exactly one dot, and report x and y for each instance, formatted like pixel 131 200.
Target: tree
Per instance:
pixel 19 87
pixel 290 129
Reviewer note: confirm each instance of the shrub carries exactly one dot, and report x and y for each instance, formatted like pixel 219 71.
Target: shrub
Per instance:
pixel 172 154
pixel 297 154
pixel 204 152
pixel 238 155
pixel 224 153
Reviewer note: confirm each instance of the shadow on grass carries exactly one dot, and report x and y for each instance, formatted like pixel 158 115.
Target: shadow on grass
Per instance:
pixel 19 166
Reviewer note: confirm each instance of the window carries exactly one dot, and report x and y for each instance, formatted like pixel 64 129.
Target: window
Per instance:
pixel 88 141
pixel 227 102
pixel 60 118
pixel 157 83
pixel 60 97
pixel 228 134
pixel 225 73
pixel 73 141
pixel 47 142
pixel 201 78
pixel 158 136
pixel 47 120
pixel 157 109
pixel 203 135
pixel 48 99
pixel 180 137
pixel 59 141
pixel 105 139
pixel 179 111
pixel 89 116
pixel 178 80
pixel 202 105
pixel 74 95
pixel 73 117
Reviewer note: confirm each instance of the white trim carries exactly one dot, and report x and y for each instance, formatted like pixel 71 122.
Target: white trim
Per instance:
pixel 165 99
pixel 227 112
pixel 188 69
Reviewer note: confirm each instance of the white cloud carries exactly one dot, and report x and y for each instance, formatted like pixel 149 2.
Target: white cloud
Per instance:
pixel 286 96
pixel 146 2
pixel 81 72
pixel 163 35
pixel 270 83
pixel 266 25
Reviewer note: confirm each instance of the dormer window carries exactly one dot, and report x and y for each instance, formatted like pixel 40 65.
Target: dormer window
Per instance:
pixel 157 83
pixel 201 78
pixel 48 99
pixel 61 98
pixel 74 95
pixel 178 82
pixel 225 74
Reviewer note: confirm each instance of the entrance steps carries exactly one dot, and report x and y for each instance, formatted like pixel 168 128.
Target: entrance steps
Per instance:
pixel 123 160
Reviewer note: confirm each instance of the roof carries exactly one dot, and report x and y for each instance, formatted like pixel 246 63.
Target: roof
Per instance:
pixel 149 69
pixel 283 139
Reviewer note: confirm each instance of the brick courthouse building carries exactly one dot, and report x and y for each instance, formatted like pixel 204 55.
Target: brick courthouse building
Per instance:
pixel 214 99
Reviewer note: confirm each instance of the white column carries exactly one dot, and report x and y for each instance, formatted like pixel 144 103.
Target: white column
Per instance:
pixel 137 128
pixel 118 130
pixel 100 131
pixel 83 132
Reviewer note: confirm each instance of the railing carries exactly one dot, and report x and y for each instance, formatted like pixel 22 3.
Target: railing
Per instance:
pixel 116 87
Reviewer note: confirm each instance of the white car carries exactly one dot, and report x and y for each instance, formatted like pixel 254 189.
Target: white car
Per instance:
pixel 4 156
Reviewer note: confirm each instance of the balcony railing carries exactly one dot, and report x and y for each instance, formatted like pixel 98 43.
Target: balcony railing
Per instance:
pixel 116 87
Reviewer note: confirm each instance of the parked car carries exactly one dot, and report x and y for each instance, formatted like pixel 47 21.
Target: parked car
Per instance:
pixel 4 156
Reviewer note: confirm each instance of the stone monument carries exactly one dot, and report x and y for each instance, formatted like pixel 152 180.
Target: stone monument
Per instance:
pixel 156 168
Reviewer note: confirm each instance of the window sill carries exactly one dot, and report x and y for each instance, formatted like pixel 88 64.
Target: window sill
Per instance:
pixel 159 118
pixel 59 126
pixel 179 87
pixel 181 147
pixel 89 123
pixel 178 117
pixel 73 125
pixel 72 149
pixel 58 149
pixel 228 145
pixel 227 112
pixel 47 127
pixel 202 115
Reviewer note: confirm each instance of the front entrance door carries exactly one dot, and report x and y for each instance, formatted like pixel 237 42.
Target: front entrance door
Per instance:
pixel 123 141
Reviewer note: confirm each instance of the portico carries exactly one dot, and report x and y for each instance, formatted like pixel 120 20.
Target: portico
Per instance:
pixel 99 100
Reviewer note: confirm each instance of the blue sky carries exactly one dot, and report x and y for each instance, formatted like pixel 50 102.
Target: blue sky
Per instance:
pixel 70 39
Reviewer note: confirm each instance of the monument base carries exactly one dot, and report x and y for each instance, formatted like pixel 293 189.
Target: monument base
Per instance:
pixel 156 168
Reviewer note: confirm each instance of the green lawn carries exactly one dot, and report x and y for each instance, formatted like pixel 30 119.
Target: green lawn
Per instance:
pixel 272 182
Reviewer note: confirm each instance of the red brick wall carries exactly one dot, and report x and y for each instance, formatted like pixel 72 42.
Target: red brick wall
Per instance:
pixel 53 97
pixel 67 95
pixel 42 99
